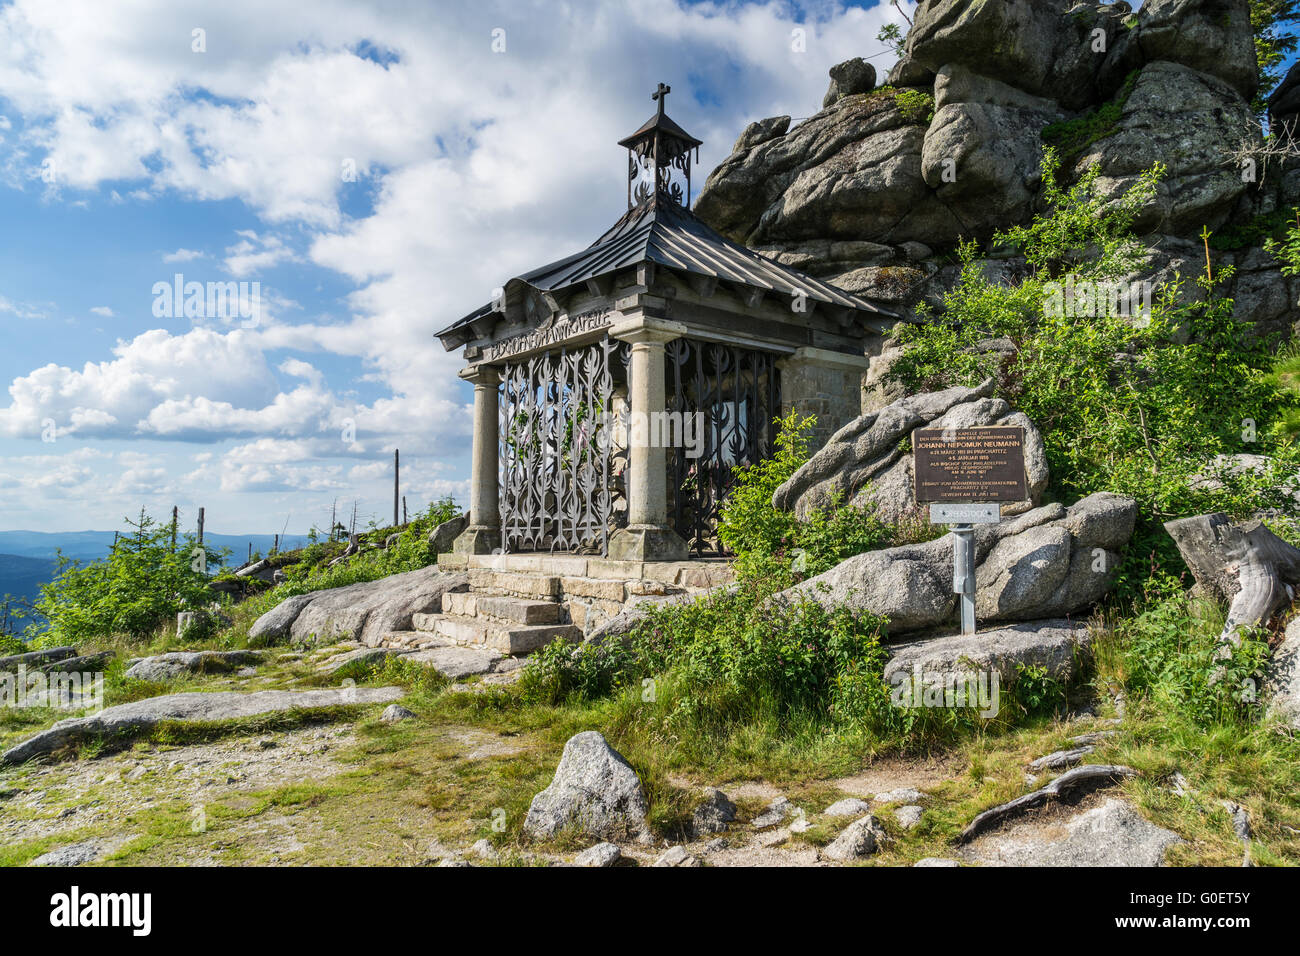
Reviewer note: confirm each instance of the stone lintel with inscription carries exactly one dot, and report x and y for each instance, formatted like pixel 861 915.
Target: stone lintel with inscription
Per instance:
pixel 564 330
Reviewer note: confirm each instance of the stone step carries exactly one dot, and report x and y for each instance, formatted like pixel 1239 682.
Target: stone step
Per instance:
pixel 462 630
pixel 424 623
pixel 590 614
pixel 502 607
pixel 413 640
pixel 534 586
pixel 502 637
pixel 602 589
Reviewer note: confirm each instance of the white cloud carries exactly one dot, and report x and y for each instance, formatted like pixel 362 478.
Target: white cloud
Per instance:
pixel 254 253
pixel 107 399
pixel 461 176
pixel 103 310
pixel 22 311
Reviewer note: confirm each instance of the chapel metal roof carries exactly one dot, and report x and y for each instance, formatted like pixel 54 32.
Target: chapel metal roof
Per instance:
pixel 662 232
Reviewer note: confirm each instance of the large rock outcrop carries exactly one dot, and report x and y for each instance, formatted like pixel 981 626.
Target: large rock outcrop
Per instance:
pixel 165 667
pixel 1036 45
pixel 1187 120
pixel 1057 645
pixel 1213 36
pixel 951 148
pixel 118 724
pixel 867 463
pixel 359 612
pixel 1048 563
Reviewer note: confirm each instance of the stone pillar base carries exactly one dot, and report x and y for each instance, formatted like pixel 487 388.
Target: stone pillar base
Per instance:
pixel 477 539
pixel 645 542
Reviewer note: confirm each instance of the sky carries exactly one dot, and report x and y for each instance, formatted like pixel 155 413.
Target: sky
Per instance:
pixel 372 171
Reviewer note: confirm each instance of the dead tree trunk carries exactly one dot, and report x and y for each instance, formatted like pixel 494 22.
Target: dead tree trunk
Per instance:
pixel 1244 564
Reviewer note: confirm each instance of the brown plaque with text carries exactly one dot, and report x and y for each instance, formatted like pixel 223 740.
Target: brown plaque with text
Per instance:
pixel 970 464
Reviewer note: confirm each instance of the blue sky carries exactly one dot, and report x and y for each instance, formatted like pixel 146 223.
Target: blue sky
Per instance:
pixel 375 168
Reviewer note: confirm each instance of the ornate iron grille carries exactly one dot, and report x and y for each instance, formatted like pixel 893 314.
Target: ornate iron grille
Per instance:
pixel 556 471
pixel 731 395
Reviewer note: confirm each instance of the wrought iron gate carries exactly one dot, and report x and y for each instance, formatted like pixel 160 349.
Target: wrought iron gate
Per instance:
pixel 557 491
pixel 731 396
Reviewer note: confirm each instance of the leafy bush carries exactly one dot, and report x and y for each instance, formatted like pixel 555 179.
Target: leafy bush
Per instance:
pixel 1136 404
pixel 1286 377
pixel 1037 691
pixel 1173 655
pixel 561 671
pixel 774 544
pixel 145 580
pixel 731 659
pixel 410 552
pixel 916 106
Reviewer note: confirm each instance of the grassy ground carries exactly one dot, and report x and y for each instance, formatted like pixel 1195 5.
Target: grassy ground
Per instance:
pixel 467 767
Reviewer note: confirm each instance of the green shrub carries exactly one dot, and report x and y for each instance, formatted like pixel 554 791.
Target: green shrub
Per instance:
pixel 561 672
pixel 410 552
pixel 1286 376
pixel 142 584
pixel 1135 405
pixel 1037 692
pixel 729 660
pixel 1173 655
pixel 917 106
pixel 736 666
pixel 9 644
pixel 774 544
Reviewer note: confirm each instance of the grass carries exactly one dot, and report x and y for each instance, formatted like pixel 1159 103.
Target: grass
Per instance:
pixel 467 767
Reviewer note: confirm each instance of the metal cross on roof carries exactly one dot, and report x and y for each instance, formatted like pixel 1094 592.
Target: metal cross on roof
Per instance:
pixel 659 95
pixel 655 151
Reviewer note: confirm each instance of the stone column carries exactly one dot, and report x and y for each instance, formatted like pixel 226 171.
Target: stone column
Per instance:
pixel 483 536
pixel 647 536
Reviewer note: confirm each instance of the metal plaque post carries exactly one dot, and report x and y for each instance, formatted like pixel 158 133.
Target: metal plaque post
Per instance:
pixel 964 474
pixel 961 520
pixel 963 573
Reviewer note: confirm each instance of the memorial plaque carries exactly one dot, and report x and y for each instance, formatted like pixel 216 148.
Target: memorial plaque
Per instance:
pixel 969 465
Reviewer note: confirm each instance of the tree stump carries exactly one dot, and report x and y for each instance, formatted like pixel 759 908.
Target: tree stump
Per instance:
pixel 1241 563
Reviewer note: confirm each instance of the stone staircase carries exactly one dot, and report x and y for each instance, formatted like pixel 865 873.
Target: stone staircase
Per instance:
pixel 516 604
pixel 501 622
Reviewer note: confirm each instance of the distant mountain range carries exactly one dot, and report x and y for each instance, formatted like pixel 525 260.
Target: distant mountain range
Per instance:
pixel 23 576
pixel 28 558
